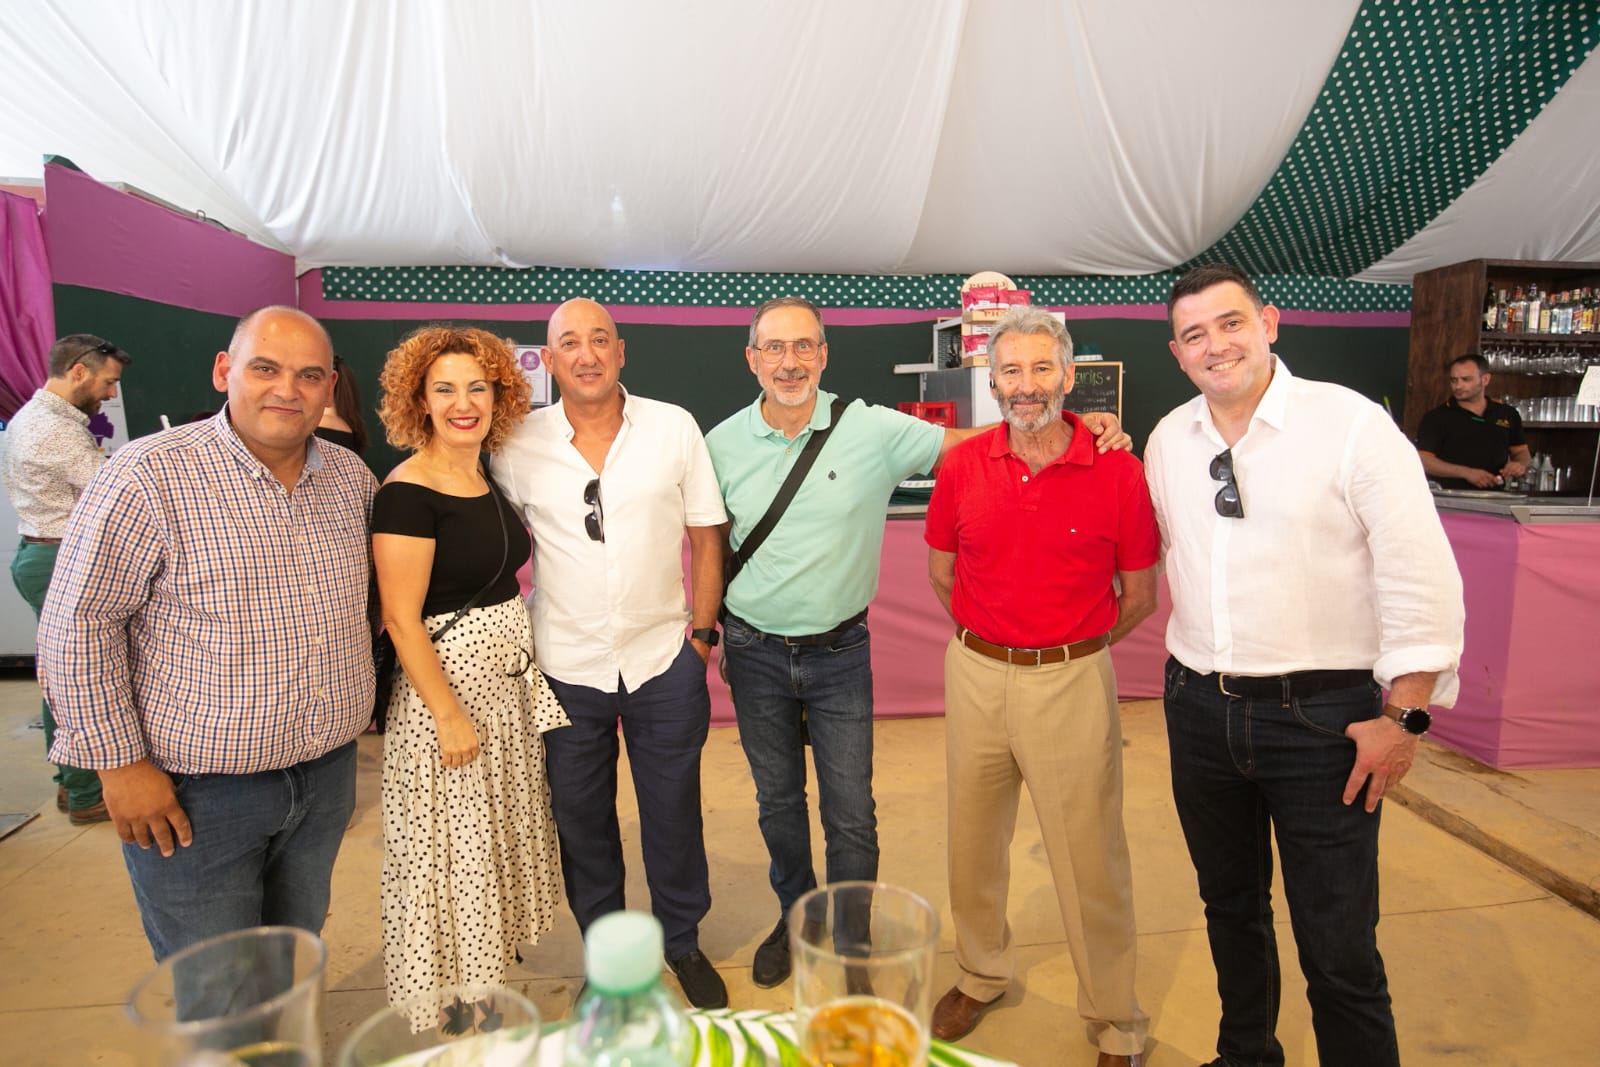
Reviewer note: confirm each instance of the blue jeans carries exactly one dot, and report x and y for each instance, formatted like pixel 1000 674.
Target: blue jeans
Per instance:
pixel 664 723
pixel 1242 769
pixel 262 854
pixel 781 692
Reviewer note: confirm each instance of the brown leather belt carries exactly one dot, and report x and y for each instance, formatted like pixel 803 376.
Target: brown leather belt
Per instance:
pixel 1031 657
pixel 41 540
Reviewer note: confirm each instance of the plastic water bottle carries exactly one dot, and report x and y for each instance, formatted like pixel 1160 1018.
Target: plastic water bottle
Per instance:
pixel 626 1017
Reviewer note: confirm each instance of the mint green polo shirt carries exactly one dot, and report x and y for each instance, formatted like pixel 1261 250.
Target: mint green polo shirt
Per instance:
pixel 819 565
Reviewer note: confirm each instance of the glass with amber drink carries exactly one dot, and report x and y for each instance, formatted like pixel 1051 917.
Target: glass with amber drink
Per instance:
pixel 863 975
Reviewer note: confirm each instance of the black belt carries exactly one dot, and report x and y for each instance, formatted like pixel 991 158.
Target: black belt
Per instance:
pixel 30 539
pixel 827 637
pixel 1283 686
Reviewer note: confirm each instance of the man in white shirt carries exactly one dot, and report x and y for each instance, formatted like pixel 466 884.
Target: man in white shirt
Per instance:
pixel 50 456
pixel 609 483
pixel 1308 571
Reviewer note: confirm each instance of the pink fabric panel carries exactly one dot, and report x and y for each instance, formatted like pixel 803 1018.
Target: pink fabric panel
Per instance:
pixel 100 238
pixel 1141 657
pixel 27 309
pixel 1551 714
pixel 1486 554
pixel 910 631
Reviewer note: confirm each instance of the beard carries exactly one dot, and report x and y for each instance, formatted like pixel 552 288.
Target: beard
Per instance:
pixel 1051 412
pixel 792 401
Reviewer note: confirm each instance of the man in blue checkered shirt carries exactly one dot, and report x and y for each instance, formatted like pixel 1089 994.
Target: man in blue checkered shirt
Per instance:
pixel 205 645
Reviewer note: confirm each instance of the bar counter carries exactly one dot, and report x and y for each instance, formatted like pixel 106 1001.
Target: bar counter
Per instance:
pixel 1530 676
pixel 1530 671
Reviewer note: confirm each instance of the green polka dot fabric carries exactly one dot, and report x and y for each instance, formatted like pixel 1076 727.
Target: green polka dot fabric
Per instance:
pixel 1423 97
pixel 548 285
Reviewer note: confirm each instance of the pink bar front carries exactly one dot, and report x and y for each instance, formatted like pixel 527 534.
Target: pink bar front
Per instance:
pixel 100 238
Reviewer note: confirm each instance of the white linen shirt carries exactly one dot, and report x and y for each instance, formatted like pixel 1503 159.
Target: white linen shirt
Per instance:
pixel 615 608
pixel 1340 561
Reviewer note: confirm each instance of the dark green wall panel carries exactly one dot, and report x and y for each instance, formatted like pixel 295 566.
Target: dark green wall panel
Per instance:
pixel 701 368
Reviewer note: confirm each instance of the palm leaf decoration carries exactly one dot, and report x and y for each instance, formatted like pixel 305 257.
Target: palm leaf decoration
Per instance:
pixel 458 1018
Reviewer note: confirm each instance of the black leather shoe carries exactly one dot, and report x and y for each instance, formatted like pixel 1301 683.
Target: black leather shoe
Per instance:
pixel 702 985
pixel 771 966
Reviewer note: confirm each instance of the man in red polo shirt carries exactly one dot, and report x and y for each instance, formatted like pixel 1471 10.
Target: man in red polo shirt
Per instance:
pixel 1027 527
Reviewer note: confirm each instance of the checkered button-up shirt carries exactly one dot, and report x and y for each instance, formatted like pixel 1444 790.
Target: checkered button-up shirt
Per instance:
pixel 204 617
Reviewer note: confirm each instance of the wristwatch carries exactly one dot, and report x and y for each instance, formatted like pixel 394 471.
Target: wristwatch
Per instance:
pixel 1411 720
pixel 710 636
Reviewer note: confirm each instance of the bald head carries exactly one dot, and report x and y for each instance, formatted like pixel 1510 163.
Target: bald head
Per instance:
pixel 584 354
pixel 274 313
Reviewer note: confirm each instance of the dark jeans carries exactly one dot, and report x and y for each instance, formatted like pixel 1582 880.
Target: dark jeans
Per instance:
pixel 31 569
pixel 262 854
pixel 664 723
pixel 776 687
pixel 1245 768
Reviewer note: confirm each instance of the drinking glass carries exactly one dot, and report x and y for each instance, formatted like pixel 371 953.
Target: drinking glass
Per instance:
pixel 248 997
pixel 863 974
pixel 463 1026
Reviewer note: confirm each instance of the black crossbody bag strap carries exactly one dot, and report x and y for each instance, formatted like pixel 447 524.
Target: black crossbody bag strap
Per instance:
pixel 505 550
pixel 786 491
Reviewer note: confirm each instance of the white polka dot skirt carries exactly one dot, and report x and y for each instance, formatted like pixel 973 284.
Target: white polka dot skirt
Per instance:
pixel 471 866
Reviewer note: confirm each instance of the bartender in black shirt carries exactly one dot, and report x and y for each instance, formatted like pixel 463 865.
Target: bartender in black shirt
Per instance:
pixel 1470 441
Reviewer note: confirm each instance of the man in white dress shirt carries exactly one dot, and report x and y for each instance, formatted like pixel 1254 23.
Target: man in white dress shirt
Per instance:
pixel 609 482
pixel 1309 572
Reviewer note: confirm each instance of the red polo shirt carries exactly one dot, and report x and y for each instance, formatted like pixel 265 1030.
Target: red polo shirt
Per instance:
pixel 1035 553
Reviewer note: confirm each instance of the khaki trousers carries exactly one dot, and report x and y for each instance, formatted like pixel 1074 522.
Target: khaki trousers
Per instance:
pixel 1055 728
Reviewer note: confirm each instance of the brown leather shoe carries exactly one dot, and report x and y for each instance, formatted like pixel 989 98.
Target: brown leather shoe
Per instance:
pixel 61 798
pixel 956 1014
pixel 1116 1059
pixel 88 816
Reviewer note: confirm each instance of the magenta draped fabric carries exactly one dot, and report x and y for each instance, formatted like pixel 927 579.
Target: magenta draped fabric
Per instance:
pixel 27 312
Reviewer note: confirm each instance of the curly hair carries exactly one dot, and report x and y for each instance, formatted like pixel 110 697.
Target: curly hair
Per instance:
pixel 404 413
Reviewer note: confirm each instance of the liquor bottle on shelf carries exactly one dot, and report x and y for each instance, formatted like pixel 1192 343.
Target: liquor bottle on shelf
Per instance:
pixel 1518 312
pixel 1535 309
pixel 1490 317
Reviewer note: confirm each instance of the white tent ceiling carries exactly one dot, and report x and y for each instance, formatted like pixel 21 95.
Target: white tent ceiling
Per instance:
pixel 885 136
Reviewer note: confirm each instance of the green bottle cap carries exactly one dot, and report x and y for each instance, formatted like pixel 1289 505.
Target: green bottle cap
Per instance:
pixel 622 952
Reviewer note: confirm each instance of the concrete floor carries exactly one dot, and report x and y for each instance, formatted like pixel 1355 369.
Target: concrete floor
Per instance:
pixel 1487 966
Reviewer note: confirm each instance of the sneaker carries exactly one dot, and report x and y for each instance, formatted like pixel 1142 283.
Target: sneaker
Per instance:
pixel 702 985
pixel 771 966
pixel 90 815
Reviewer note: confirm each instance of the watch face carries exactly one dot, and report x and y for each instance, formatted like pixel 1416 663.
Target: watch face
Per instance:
pixel 1415 720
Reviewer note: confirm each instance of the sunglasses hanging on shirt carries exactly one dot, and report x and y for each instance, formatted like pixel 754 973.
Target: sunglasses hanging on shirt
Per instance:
pixel 1229 506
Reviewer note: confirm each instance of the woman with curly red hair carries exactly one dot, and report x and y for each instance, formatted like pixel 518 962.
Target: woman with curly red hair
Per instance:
pixel 471 867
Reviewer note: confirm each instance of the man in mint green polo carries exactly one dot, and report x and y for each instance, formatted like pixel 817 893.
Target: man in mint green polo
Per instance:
pixel 795 642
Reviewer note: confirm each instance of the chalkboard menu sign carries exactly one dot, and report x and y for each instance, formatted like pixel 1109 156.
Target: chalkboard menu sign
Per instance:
pixel 1096 387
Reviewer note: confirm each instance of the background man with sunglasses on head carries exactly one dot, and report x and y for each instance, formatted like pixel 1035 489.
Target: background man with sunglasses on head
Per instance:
pixel 50 457
pixel 797 650
pixel 609 482
pixel 1308 571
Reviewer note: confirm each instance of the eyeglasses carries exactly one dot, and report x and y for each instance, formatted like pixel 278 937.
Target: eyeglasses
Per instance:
pixel 594 522
pixel 1229 506
pixel 804 350
pixel 104 348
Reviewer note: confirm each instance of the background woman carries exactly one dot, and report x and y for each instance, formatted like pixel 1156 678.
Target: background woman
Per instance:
pixel 342 421
pixel 470 868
